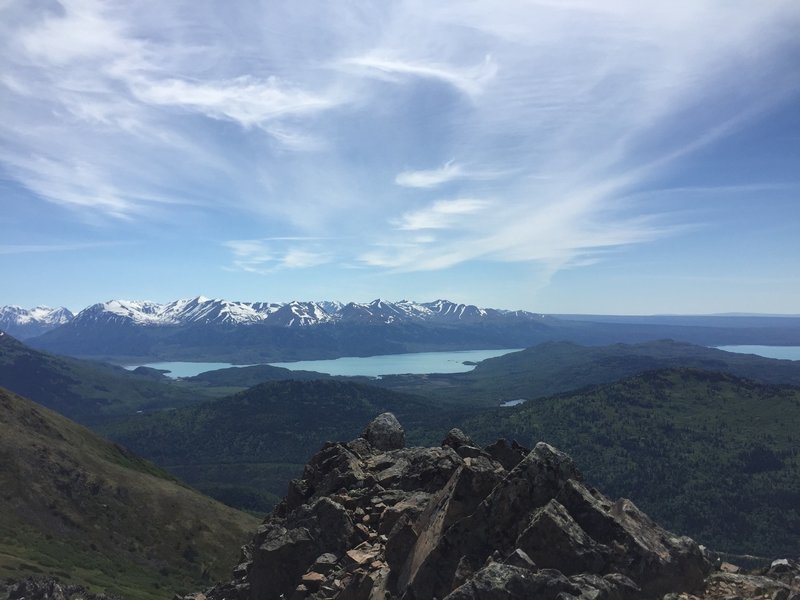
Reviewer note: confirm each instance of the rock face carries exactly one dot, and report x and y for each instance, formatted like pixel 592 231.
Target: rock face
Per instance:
pixel 372 520
pixel 47 588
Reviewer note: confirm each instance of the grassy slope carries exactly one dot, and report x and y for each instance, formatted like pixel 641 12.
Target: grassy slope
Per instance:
pixel 82 508
pixel 557 367
pixel 707 454
pixel 84 390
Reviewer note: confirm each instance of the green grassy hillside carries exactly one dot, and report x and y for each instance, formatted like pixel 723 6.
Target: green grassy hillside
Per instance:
pixel 707 454
pixel 82 508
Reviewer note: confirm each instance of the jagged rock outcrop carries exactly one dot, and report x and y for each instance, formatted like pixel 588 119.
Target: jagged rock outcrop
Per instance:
pixel 372 519
pixel 47 588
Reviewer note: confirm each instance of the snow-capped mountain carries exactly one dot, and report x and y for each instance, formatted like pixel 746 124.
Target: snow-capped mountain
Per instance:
pixel 25 323
pixel 219 329
pixel 206 311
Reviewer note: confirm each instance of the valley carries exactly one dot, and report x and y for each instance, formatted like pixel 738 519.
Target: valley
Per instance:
pixel 702 439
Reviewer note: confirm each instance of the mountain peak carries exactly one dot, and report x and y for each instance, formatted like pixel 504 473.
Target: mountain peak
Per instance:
pixel 26 323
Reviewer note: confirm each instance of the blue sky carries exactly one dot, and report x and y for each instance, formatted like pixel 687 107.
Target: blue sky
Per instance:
pixel 561 156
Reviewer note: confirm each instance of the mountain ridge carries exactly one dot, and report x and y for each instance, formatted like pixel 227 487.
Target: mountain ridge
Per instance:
pixel 203 310
pixel 30 322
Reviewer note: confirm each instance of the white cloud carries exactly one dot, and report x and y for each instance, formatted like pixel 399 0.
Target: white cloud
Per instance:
pixel 430 178
pixel 469 80
pixel 244 99
pixel 77 30
pixel 263 256
pixel 442 214
pixel 39 248
pixel 449 171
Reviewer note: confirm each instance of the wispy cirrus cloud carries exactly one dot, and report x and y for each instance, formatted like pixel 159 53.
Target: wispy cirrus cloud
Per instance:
pixel 431 177
pixel 449 171
pixel 470 80
pixel 263 256
pixel 9 249
pixel 244 99
pixel 442 214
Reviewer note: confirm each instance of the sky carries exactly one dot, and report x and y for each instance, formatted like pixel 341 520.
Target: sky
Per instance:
pixel 559 156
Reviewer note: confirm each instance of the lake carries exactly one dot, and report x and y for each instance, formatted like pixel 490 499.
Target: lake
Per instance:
pixel 185 369
pixel 417 363
pixel 784 352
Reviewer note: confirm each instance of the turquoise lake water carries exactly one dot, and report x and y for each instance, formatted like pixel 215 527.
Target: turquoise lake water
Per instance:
pixel 417 363
pixel 185 369
pixel 784 352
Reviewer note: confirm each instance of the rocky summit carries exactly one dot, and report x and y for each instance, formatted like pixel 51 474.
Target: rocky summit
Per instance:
pixel 371 519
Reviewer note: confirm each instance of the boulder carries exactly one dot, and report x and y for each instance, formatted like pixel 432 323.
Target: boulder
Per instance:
pixel 385 432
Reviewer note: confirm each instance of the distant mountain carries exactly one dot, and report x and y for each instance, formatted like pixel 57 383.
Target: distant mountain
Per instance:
pixel 206 311
pixel 91 513
pixel 25 323
pixel 83 390
pixel 258 332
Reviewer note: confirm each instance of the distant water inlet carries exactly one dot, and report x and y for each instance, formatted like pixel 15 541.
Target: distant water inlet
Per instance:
pixel 415 363
pixel 781 352
pixel 509 403
pixel 184 369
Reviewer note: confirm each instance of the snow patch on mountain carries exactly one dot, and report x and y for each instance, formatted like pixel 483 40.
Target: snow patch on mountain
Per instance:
pixel 24 323
pixel 209 311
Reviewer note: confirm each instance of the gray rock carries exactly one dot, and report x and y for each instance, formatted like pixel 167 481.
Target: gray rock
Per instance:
pixel 555 541
pixel 519 558
pixel 47 588
pixel 508 454
pixel 385 432
pixel 456 438
pixel 497 581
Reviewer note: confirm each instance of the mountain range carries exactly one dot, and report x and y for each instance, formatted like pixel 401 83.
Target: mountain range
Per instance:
pixel 24 323
pixel 29 322
pixel 201 329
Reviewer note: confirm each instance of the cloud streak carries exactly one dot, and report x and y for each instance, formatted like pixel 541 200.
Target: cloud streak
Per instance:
pixel 468 80
pixel 442 214
pixel 265 256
